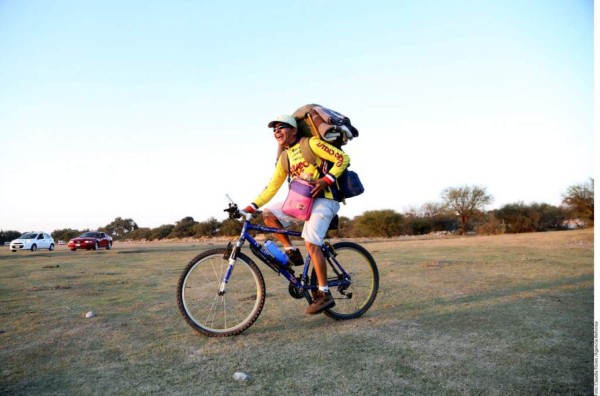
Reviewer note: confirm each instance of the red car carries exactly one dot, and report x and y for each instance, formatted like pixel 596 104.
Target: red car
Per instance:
pixel 91 240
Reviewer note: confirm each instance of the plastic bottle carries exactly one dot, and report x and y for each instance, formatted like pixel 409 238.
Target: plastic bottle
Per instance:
pixel 276 252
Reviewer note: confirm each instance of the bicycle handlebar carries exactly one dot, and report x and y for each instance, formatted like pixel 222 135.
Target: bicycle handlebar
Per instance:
pixel 235 213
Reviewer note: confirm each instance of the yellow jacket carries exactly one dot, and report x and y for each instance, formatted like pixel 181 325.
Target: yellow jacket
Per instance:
pixel 301 168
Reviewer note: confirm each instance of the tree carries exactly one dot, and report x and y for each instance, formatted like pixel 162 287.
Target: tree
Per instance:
pixel 119 227
pixel 466 202
pixel 580 199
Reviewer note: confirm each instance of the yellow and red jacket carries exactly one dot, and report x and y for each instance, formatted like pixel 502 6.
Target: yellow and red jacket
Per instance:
pixel 301 168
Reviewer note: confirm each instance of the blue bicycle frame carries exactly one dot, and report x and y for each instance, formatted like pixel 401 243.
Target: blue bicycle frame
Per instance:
pixel 343 278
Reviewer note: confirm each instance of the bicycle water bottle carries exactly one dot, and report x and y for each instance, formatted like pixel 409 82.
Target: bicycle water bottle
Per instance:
pixel 276 252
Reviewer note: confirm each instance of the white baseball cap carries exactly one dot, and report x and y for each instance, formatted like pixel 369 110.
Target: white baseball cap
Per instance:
pixel 284 118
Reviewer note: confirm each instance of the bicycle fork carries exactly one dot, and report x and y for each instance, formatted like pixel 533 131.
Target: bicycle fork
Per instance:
pixel 231 255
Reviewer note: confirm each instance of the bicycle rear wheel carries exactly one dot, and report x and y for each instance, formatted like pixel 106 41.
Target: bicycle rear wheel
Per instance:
pixel 354 300
pixel 216 315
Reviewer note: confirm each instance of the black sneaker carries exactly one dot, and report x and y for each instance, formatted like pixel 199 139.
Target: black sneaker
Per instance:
pixel 295 257
pixel 321 301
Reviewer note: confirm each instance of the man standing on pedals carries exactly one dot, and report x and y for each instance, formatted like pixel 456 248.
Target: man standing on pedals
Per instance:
pixel 325 207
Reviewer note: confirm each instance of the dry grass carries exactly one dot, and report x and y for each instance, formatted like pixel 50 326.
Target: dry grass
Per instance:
pixel 496 315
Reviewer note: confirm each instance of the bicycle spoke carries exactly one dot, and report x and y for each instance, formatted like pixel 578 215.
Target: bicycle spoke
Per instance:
pixel 357 297
pixel 215 314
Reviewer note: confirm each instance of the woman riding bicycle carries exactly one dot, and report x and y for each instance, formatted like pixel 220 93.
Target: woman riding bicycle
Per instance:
pixel 324 206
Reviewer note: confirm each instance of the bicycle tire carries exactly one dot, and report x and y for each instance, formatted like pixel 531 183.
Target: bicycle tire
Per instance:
pixel 215 315
pixel 360 265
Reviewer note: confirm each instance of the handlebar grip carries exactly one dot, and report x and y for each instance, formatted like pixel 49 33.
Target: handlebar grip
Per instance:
pixel 235 213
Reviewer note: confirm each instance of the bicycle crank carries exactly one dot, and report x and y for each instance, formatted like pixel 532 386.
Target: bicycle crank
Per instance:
pixel 295 292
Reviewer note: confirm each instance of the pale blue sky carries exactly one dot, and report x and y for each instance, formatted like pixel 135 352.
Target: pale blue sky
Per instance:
pixel 155 110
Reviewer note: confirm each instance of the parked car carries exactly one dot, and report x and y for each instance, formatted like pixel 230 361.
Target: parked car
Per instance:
pixel 91 240
pixel 32 241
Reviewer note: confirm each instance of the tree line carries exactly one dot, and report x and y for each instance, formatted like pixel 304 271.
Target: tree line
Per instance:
pixel 461 210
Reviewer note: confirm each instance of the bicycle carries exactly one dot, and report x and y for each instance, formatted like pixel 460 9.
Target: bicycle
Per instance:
pixel 221 292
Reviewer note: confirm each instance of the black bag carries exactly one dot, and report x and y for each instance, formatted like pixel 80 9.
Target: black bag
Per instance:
pixel 349 184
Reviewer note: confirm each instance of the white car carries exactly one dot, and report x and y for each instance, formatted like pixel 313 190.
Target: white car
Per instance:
pixel 33 241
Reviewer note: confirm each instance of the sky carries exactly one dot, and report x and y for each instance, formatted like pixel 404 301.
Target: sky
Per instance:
pixel 155 110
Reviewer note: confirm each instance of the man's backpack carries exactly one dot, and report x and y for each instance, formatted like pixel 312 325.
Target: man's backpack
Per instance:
pixel 317 121
pixel 329 125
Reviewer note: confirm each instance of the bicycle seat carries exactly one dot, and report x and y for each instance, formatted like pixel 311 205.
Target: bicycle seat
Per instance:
pixel 335 222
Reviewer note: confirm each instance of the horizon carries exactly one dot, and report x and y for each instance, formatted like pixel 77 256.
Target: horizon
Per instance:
pixel 260 210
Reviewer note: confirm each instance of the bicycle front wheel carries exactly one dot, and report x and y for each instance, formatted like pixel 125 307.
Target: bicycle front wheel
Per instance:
pixel 230 313
pixel 354 300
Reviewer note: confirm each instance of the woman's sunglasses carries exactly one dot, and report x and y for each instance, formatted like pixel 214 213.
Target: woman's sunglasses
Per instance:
pixel 281 126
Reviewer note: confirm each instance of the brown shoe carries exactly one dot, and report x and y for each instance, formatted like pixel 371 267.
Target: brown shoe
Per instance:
pixel 321 301
pixel 295 257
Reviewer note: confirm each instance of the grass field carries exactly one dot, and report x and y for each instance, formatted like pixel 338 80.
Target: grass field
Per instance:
pixel 501 315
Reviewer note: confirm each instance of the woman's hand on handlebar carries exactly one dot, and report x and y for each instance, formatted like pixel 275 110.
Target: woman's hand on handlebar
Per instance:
pixel 246 215
pixel 248 212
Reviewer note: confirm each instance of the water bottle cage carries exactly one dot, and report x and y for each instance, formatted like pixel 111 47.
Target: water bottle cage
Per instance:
pixel 270 260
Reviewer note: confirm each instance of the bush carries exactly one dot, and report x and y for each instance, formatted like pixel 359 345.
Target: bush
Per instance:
pixel 66 234
pixel 230 228
pixel 139 234
pixel 519 217
pixel 378 223
pixel 7 236
pixel 490 225
pixel 161 232
pixel 420 226
pixel 208 228
pixel 184 228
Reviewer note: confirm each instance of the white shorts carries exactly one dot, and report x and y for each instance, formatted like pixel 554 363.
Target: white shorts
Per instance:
pixel 316 227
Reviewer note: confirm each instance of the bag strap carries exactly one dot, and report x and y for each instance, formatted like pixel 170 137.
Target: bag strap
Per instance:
pixel 285 161
pixel 307 153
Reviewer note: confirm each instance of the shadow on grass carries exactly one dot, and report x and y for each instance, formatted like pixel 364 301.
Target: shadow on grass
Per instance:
pixel 427 304
pixel 520 289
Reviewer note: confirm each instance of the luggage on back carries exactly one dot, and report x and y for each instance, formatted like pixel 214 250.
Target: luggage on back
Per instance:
pixel 329 125
pixel 336 129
